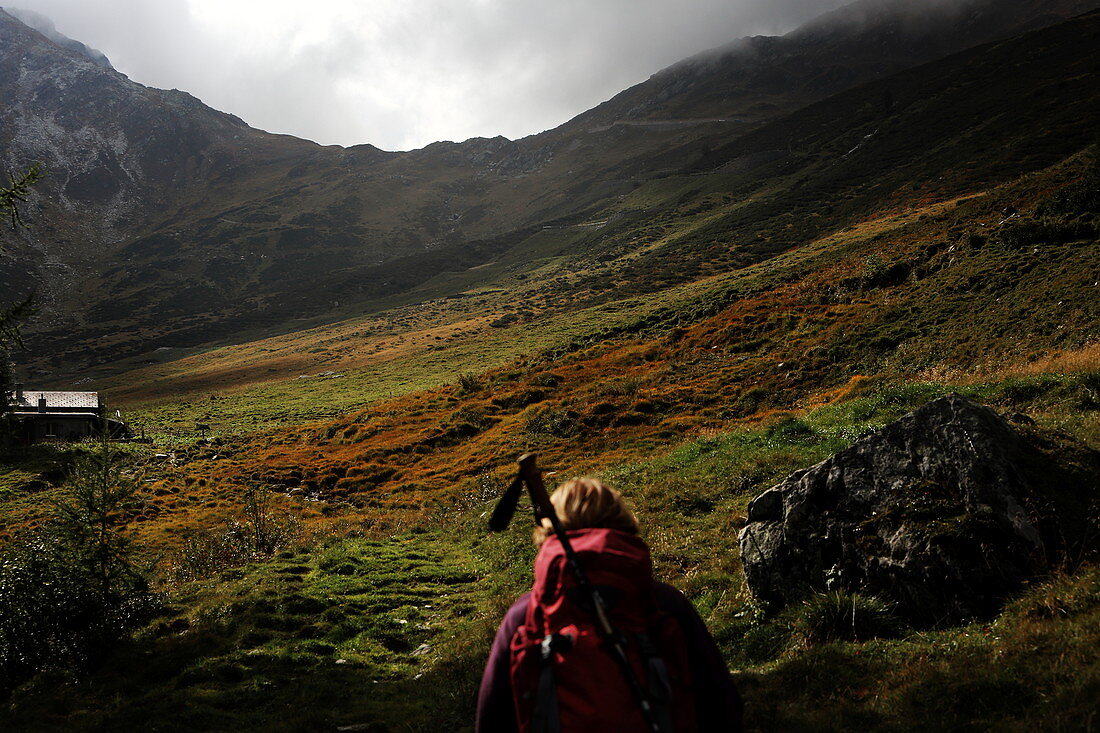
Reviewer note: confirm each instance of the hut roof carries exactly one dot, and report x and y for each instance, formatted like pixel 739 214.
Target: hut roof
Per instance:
pixel 57 400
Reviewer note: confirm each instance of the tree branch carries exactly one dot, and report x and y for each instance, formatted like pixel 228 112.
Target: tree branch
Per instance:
pixel 16 194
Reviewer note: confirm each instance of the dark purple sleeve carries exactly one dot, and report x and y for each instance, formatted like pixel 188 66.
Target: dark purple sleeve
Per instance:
pixel 718 705
pixel 495 710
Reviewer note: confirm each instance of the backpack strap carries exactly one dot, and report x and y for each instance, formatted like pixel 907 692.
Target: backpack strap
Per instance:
pixel 545 717
pixel 660 686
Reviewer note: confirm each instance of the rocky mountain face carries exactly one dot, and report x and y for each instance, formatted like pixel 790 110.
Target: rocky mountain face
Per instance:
pixel 163 222
pixel 112 146
pixel 117 155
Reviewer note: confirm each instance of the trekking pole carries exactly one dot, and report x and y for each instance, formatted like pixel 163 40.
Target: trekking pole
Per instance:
pixel 530 475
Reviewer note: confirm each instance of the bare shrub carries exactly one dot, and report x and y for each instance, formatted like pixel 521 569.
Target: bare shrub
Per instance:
pixel 257 533
pixel 468 384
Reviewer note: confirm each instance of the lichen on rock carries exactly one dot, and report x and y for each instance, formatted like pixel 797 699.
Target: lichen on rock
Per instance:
pixel 944 512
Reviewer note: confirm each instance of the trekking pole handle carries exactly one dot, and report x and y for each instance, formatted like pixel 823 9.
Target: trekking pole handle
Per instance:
pixel 532 476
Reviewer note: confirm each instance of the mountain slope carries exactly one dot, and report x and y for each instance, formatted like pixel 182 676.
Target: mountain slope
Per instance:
pixel 166 224
pixel 850 254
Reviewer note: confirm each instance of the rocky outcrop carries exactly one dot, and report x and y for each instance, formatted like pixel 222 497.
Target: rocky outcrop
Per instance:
pixel 944 512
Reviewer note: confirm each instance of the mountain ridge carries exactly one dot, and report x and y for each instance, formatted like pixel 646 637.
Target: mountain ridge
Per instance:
pixel 45 26
pixel 881 37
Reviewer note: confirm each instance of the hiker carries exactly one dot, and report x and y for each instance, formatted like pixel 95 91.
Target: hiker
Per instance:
pixel 583 689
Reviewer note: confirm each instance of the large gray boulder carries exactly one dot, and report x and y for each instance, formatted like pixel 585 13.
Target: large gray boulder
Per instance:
pixel 944 512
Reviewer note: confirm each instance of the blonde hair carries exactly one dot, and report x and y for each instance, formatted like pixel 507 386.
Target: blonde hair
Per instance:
pixel 587 503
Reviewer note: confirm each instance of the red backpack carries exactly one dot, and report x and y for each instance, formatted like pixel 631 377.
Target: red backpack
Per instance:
pixel 563 677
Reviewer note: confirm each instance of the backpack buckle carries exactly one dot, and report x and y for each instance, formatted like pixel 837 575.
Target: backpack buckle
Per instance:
pixel 555 642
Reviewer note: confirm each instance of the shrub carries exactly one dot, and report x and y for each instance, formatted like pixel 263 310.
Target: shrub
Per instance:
pixel 53 613
pixel 473 416
pixel 506 320
pixel 545 379
pixel 873 267
pixel 468 384
pixel 1029 232
pixel 209 552
pixel 751 399
pixel 624 387
pixel 1079 197
pixel 70 592
pixel 840 616
pixel 258 533
pixel 552 421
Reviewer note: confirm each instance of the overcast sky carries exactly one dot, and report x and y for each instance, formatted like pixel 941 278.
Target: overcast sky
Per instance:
pixel 400 74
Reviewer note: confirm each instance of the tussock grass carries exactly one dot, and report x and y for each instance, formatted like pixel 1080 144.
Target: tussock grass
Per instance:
pixel 839 616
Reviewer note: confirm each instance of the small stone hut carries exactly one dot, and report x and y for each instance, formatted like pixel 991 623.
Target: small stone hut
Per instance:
pixel 39 416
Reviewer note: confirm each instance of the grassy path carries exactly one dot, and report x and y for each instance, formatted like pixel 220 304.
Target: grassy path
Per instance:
pixel 351 633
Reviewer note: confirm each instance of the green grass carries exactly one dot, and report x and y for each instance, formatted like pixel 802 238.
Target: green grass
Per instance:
pixel 370 627
pixel 32 477
pixel 1036 667
pixel 392 630
pixel 290 401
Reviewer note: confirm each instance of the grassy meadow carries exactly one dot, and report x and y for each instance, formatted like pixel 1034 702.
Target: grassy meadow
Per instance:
pixel 383 622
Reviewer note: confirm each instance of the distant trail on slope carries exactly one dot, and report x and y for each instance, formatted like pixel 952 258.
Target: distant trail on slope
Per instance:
pixel 665 124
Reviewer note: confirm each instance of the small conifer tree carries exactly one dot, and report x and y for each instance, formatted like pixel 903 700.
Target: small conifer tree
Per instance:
pixel 72 589
pixel 90 519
